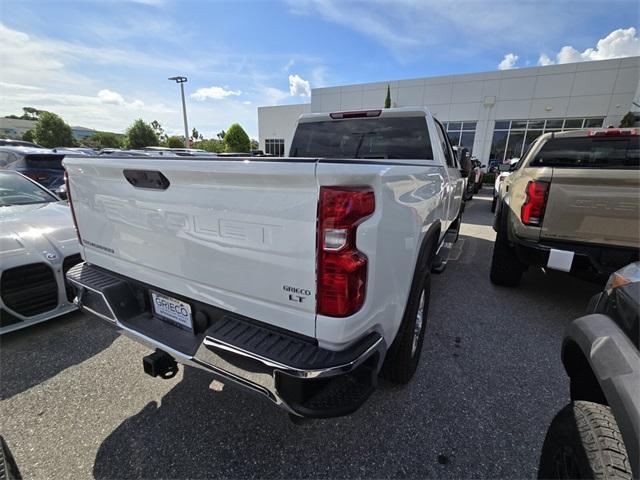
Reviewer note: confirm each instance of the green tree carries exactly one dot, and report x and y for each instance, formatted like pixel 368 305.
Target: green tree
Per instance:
pixel 221 134
pixel 212 145
pixel 103 140
pixel 387 101
pixel 162 136
pixel 51 131
pixel 196 135
pixel 29 135
pixel 140 135
pixel 628 120
pixel 236 139
pixel 254 144
pixel 175 142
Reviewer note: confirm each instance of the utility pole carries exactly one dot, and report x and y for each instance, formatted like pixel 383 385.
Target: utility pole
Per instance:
pixel 182 81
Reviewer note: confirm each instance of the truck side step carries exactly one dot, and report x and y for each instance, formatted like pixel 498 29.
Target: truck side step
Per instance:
pixel 443 253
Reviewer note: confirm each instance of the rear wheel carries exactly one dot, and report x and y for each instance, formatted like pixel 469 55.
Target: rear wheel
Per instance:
pixel 584 441
pixel 403 356
pixel 506 268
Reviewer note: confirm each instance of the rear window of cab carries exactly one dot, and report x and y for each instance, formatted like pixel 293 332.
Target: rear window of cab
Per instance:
pixel 392 138
pixel 590 152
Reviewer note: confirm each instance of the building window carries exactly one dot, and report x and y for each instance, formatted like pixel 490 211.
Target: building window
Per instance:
pixel 274 146
pixel 512 137
pixel 461 134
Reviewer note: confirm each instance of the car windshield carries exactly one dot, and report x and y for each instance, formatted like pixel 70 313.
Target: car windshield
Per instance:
pixel 17 190
pixel 402 137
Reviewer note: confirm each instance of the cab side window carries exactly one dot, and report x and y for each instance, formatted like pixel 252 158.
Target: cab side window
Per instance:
pixel 446 146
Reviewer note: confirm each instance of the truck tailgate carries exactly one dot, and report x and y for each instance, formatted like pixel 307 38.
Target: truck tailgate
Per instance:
pixel 234 233
pixel 593 206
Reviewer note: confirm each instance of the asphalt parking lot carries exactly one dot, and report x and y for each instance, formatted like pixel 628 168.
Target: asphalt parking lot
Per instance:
pixel 75 402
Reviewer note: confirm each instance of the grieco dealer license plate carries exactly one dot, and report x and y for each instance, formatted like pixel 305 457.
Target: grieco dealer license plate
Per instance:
pixel 172 310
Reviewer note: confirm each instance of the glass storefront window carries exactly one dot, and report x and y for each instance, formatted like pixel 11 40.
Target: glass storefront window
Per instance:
pixel 593 122
pixel 467 139
pixel 499 144
pixel 454 138
pixel 514 145
pixel 573 123
pixel 461 134
pixel 511 137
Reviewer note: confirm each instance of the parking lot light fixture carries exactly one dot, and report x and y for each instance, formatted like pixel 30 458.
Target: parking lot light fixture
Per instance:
pixel 182 80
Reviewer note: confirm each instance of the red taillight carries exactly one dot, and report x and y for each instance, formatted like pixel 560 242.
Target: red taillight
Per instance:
pixel 342 269
pixel 73 213
pixel 532 211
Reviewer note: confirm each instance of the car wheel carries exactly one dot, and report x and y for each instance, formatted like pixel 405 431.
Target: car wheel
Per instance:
pixel 403 356
pixel 494 202
pixel 8 468
pixel 584 441
pixel 506 268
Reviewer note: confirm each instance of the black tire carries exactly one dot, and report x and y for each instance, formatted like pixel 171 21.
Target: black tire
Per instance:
pixel 506 268
pixel 476 187
pixel 8 468
pixel 583 441
pixel 494 202
pixel 402 358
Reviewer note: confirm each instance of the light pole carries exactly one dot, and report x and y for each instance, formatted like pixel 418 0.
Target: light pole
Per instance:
pixel 181 81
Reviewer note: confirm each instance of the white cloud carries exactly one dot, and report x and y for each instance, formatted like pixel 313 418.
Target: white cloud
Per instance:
pixel 508 62
pixel 274 95
pixel 299 87
pixel 622 42
pixel 216 93
pixel 110 97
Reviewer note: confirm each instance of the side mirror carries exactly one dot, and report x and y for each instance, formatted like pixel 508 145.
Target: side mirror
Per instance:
pixel 61 192
pixel 483 166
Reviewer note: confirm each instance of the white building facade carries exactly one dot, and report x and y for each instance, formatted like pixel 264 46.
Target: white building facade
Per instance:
pixel 495 114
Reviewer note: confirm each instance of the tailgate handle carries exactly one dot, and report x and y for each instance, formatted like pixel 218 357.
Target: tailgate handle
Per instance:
pixel 146 179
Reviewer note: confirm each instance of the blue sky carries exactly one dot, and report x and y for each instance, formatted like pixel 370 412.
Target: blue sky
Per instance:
pixel 103 63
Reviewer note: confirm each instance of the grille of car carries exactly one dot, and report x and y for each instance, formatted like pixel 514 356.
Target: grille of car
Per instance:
pixel 29 289
pixel 67 263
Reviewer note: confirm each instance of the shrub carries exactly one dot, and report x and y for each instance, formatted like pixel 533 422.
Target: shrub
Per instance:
pixel 236 139
pixel 140 135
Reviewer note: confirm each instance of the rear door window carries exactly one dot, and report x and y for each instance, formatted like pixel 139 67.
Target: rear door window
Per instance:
pixel 590 152
pixel 393 138
pixel 53 162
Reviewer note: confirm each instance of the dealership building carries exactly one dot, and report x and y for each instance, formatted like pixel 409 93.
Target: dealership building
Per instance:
pixel 494 114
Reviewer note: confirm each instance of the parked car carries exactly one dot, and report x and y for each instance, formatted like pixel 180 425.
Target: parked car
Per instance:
pixel 40 164
pixel 38 245
pixel 571 204
pixel 597 435
pixel 299 278
pixel 10 142
pixel 492 165
pixel 504 170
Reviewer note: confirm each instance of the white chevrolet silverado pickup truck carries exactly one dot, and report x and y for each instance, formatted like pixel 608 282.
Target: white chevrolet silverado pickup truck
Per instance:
pixel 300 278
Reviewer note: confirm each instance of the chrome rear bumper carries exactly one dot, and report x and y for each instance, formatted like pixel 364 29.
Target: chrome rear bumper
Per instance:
pixel 293 372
